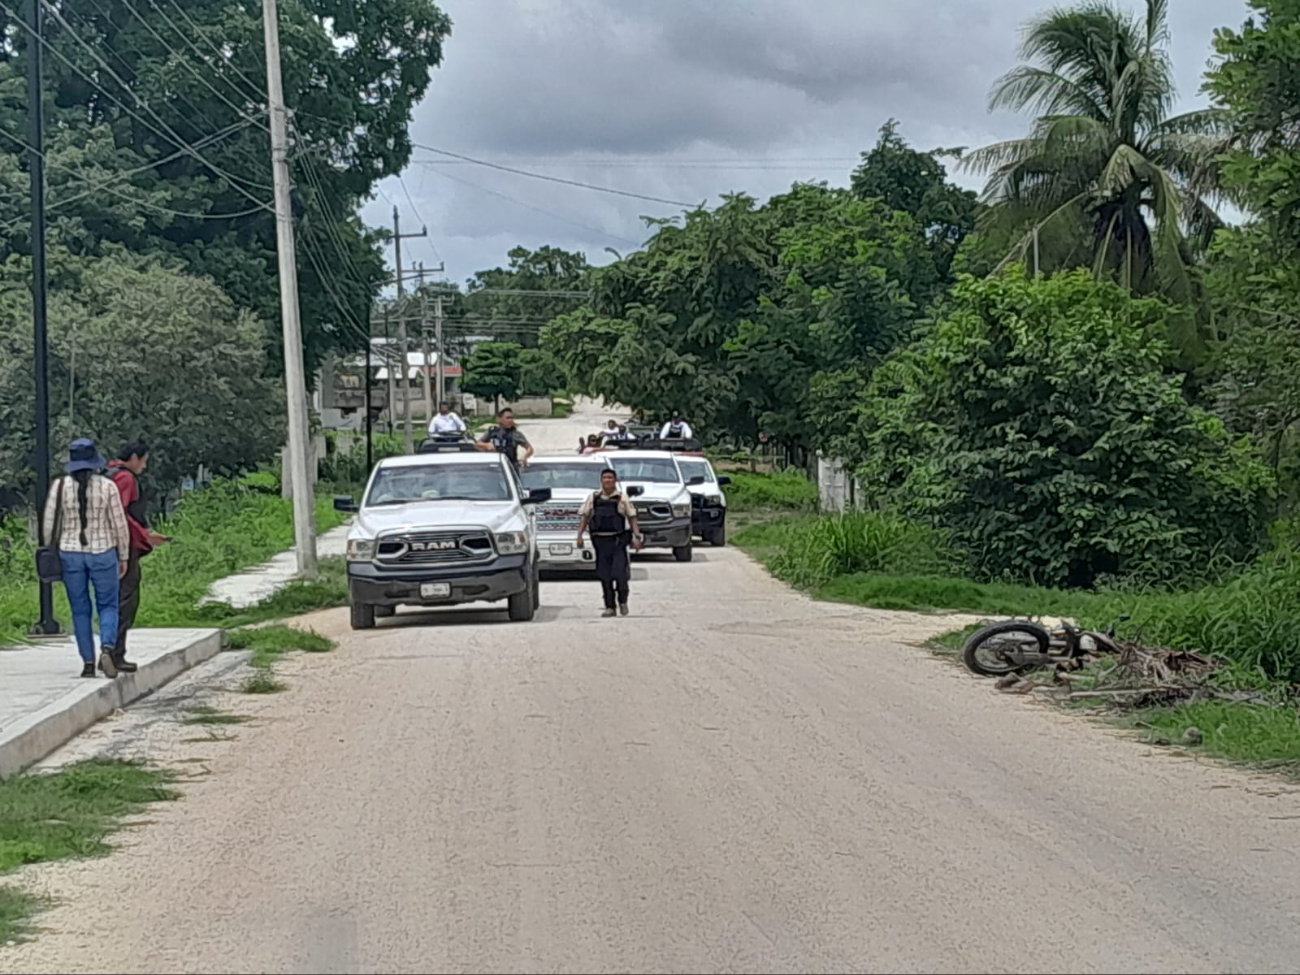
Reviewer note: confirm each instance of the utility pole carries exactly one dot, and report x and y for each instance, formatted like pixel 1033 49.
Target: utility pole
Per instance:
pixel 370 413
pixel 300 481
pixel 388 360
pixel 424 337
pixel 398 236
pixel 46 624
pixel 442 352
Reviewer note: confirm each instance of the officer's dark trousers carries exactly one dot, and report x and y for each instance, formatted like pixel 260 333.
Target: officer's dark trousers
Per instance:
pixel 612 566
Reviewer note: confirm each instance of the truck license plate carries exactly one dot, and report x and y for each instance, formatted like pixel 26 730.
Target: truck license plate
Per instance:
pixel 561 549
pixel 435 590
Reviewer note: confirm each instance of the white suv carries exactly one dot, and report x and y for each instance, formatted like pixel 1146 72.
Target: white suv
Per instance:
pixel 441 528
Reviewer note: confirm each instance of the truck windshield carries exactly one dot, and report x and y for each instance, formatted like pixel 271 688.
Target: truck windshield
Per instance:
pixel 439 482
pixel 584 477
pixel 696 468
pixel 659 469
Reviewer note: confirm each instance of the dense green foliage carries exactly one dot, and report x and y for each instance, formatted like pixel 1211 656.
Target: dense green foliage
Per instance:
pixel 1035 422
pixel 137 350
pixel 130 85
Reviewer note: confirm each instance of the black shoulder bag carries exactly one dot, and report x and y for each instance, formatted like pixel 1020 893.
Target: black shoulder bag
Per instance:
pixel 49 566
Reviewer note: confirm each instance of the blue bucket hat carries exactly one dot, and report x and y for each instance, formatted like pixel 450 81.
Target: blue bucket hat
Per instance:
pixel 83 455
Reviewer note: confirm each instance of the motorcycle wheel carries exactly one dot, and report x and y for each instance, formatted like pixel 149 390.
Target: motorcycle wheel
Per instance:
pixel 983 652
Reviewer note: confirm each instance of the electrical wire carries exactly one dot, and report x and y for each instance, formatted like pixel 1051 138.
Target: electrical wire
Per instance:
pixel 416 211
pixel 537 209
pixel 258 89
pixel 557 179
pixel 102 184
pixel 189 214
pixel 170 135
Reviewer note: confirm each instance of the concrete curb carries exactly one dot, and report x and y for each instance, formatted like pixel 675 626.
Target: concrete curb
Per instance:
pixel 32 738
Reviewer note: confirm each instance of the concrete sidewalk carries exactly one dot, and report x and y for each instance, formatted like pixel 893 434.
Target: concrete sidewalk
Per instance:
pixel 44 703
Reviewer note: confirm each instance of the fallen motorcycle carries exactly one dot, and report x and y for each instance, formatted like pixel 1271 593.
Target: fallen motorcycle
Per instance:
pixel 1015 646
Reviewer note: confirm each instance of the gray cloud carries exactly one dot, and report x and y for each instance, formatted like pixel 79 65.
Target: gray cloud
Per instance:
pixel 686 99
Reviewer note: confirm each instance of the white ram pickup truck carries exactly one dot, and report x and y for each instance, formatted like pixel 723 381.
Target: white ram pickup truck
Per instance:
pixel 439 528
pixel 571 480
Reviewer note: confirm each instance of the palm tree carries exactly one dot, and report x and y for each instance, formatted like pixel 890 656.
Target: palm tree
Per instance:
pixel 1106 175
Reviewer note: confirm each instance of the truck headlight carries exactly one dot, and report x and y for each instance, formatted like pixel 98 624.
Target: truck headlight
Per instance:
pixel 361 549
pixel 682 509
pixel 511 543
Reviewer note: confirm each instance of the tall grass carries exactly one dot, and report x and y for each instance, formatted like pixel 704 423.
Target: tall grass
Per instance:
pixel 1251 620
pixel 784 491
pixel 821 549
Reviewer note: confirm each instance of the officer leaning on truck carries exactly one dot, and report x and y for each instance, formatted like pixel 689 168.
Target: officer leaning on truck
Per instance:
pixel 506 438
pixel 612 518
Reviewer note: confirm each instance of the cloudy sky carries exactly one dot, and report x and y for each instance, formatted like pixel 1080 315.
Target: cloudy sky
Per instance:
pixel 687 99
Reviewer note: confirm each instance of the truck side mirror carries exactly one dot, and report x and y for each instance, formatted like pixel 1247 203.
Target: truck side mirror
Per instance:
pixel 343 502
pixel 635 492
pixel 696 480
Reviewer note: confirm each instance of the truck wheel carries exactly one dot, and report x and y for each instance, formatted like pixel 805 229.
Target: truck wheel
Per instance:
pixel 719 536
pixel 683 553
pixel 363 616
pixel 522 606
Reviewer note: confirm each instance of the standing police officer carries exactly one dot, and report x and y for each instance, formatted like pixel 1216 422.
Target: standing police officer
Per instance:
pixel 612 518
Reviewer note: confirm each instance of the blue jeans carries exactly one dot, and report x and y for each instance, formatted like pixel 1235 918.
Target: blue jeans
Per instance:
pixel 81 570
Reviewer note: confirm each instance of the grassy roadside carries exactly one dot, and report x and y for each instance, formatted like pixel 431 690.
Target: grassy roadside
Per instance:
pixel 1247 620
pixel 69 813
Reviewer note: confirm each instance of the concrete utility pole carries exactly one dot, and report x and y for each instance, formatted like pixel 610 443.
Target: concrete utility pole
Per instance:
pixel 442 352
pixel 398 237
pixel 392 368
pixel 295 380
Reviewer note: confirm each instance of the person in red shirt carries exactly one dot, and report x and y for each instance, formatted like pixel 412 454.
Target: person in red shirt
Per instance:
pixel 125 472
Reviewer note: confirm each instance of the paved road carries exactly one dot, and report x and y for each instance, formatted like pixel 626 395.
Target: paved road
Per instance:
pixel 735 779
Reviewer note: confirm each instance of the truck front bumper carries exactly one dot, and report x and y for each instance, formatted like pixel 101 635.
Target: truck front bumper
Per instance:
pixel 674 534
pixel 379 585
pixel 558 551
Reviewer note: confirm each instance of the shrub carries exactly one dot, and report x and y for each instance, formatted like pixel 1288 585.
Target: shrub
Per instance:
pixel 1036 423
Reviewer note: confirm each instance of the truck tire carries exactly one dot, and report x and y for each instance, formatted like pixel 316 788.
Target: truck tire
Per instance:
pixel 683 553
pixel 363 616
pixel 718 537
pixel 522 606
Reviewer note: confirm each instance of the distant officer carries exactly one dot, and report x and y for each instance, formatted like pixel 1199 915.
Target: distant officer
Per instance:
pixel 506 438
pixel 612 519
pixel 675 429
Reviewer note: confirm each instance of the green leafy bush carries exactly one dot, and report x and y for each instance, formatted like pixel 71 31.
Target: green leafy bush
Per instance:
pixel 1035 422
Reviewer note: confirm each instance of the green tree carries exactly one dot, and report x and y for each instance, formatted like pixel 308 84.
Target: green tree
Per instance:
pixel 916 182
pixel 539 373
pixel 1035 421
pixel 1256 80
pixel 492 371
pixel 198 397
pixel 1106 178
pixel 130 83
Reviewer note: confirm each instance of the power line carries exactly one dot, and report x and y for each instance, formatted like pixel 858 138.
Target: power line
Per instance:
pixel 537 209
pixel 257 89
pixel 170 135
pixel 103 184
pixel 192 215
pixel 557 179
pixel 423 223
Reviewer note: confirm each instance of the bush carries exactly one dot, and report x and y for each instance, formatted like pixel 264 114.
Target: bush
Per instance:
pixel 1036 423
pixel 818 550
